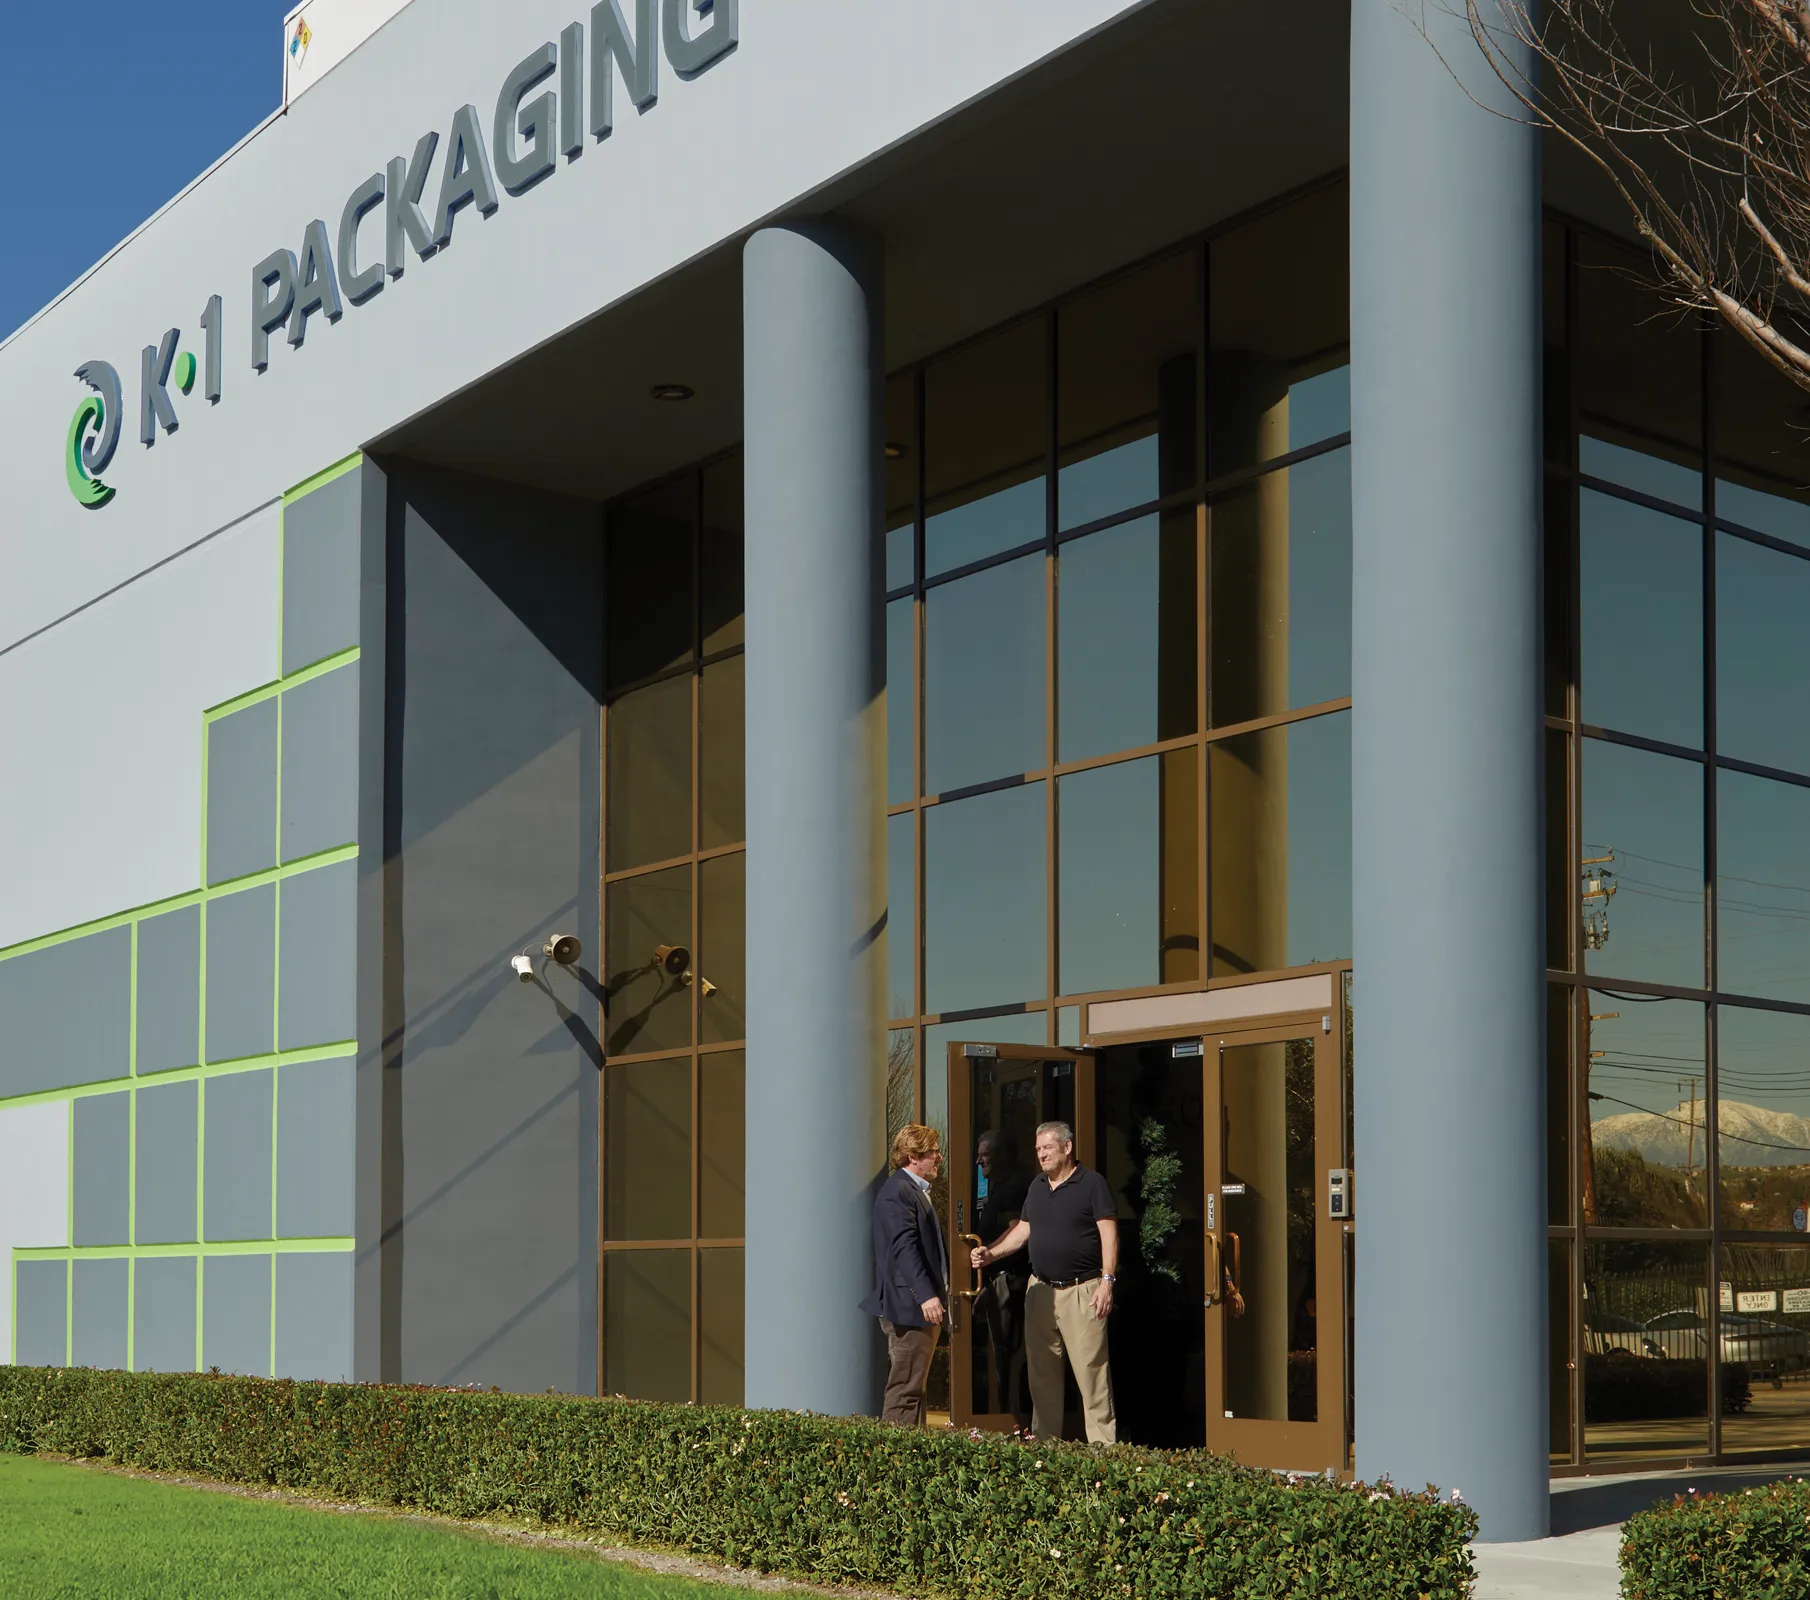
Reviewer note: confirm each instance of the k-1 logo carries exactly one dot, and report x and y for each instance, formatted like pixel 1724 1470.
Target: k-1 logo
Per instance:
pixel 88 454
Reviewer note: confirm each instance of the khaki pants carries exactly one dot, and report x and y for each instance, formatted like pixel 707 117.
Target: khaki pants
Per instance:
pixel 1059 1322
pixel 908 1352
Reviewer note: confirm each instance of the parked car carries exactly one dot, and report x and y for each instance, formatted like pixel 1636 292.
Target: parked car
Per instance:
pixel 1773 1348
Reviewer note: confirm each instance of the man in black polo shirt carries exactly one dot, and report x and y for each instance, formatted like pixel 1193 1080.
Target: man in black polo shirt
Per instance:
pixel 1071 1224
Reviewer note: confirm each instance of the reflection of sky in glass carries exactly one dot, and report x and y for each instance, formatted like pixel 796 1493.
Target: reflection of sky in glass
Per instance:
pixel 901 686
pixel 1319 577
pixel 984 900
pixel 1319 408
pixel 1106 640
pixel 1635 469
pixel 901 917
pixel 983 527
pixel 1764 513
pixel 1640 585
pixel 901 556
pixel 1762 887
pixel 1763 1060
pixel 1112 481
pixel 1647 810
pixel 1109 908
pixel 1762 655
pixel 1319 839
pixel 1652 1050
pixel 984 676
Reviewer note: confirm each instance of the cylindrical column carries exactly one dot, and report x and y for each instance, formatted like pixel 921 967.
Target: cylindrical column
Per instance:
pixel 1446 825
pixel 813 367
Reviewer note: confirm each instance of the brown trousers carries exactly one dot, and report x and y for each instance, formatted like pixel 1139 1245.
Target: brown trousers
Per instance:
pixel 1058 1323
pixel 908 1352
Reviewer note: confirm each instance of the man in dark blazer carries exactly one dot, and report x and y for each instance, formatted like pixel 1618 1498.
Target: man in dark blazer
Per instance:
pixel 911 1271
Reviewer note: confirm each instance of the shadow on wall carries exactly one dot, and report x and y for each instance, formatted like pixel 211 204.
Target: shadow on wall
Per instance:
pixel 491 839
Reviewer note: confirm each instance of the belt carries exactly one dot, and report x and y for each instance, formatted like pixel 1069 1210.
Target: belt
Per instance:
pixel 1068 1283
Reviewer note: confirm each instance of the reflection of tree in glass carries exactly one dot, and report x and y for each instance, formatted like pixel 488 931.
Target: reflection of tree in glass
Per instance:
pixel 1156 1187
pixel 1631 1192
pixel 1298 1087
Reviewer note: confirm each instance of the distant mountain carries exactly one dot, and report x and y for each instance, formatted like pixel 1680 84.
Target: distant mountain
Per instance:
pixel 1751 1135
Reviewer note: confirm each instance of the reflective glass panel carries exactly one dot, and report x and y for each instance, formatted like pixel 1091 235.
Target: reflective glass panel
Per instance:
pixel 1280 838
pixel 722 754
pixel 1015 1027
pixel 1643 840
pixel 1558 1105
pixel 647 1149
pixel 1763 1340
pixel 1281 555
pixel 720 554
pixel 1762 887
pixel 901 916
pixel 1762 654
pixel 1559 854
pixel 649 580
pixel 901 480
pixel 984 676
pixel 646 1009
pixel 649 802
pixel 722 949
pixel 901 1082
pixel 720 1318
pixel 1647 1165
pixel 901 556
pixel 901 698
pixel 1558 620
pixel 1638 377
pixel 1646 1350
pixel 722 1150
pixel 1276 375
pixel 1126 666
pixel 1128 866
pixel 986 423
pixel 1558 1347
pixel 647 1324
pixel 1640 583
pixel 984 900
pixel 1762 450
pixel 1763 1120
pixel 1127 355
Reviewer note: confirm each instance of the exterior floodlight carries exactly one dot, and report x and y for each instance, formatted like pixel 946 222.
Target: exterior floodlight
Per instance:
pixel 524 966
pixel 672 959
pixel 563 948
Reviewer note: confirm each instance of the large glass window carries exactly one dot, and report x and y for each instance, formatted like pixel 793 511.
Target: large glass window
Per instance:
pixel 984 673
pixel 1646 1349
pixel 1762 887
pixel 1646 1164
pixel 985 894
pixel 1763 1119
pixel 1762 654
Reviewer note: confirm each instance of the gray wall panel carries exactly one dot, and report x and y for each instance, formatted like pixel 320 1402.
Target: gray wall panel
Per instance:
pixel 320 572
pixel 102 1176
pixel 41 1312
pixel 66 1014
pixel 492 783
pixel 320 763
pixel 167 1127
pixel 235 1192
pixel 242 792
pixel 235 1314
pixel 98 1303
pixel 169 990
pixel 315 1150
pixel 318 994
pixel 241 974
pixel 314 1316
pixel 163 1314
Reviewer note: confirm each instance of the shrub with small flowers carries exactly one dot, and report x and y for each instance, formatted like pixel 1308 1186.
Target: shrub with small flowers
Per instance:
pixel 837 1500
pixel 1754 1544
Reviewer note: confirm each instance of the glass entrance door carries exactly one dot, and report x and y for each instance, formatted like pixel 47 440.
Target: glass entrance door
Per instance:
pixel 998 1094
pixel 1275 1337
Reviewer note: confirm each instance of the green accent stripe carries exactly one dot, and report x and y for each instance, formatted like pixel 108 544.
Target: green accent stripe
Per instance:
pixel 235 1247
pixel 276 686
pixel 213 1069
pixel 308 485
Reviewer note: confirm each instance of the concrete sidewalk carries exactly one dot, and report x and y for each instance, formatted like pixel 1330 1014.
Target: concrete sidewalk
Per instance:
pixel 1579 1561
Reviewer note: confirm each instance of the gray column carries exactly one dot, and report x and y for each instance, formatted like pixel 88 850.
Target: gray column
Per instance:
pixel 813 366
pixel 1446 823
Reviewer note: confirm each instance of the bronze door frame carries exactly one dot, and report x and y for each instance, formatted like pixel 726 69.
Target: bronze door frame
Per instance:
pixel 964 1280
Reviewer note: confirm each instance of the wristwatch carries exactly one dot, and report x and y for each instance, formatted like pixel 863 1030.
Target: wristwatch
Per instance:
pixel 1107 1277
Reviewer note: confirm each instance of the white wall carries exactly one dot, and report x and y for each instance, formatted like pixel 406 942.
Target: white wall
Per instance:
pixel 336 28
pixel 100 789
pixel 34 1192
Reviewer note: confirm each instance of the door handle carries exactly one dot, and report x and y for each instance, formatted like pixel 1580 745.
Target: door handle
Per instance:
pixel 1216 1278
pixel 973 1240
pixel 1236 1297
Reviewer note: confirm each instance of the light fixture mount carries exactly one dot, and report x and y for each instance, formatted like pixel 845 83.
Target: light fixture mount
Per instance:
pixel 672 391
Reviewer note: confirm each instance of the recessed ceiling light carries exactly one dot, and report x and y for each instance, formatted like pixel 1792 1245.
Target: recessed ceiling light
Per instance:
pixel 894 450
pixel 672 391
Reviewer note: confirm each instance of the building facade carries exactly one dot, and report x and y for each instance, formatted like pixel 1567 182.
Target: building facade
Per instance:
pixel 985 565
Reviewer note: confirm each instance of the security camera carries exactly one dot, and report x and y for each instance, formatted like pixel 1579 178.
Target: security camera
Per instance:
pixel 706 988
pixel 524 966
pixel 563 948
pixel 672 959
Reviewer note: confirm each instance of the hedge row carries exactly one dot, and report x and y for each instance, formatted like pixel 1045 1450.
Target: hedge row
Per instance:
pixel 836 1500
pixel 1752 1545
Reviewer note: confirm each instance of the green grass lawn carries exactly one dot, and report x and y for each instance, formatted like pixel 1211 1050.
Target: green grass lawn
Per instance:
pixel 68 1530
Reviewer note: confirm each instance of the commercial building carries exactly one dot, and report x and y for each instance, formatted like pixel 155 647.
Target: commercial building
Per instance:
pixel 1139 562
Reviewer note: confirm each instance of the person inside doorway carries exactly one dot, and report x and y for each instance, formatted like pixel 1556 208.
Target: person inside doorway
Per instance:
pixel 1071 1226
pixel 911 1271
pixel 1000 1185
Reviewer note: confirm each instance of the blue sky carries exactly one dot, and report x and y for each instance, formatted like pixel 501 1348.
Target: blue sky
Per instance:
pixel 106 110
